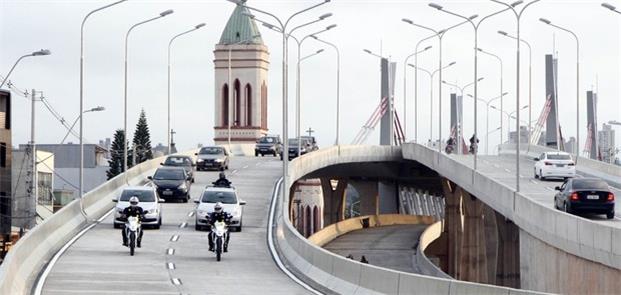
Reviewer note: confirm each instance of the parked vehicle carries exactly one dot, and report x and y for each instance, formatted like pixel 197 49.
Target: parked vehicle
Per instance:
pixel 172 183
pixel 230 204
pixel 149 202
pixel 268 145
pixel 181 161
pixel 585 195
pixel 554 164
pixel 212 157
pixel 133 230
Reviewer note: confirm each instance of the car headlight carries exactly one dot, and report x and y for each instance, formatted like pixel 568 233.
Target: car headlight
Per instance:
pixel 201 212
pixel 153 211
pixel 219 160
pixel 182 186
pixel 237 212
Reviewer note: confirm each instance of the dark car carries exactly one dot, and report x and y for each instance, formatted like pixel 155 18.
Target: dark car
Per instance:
pixel 172 183
pixel 585 195
pixel 312 141
pixel 181 161
pixel 268 145
pixel 293 148
pixel 212 157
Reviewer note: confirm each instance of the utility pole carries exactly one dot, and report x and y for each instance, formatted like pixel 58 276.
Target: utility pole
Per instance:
pixel 32 151
pixel 172 149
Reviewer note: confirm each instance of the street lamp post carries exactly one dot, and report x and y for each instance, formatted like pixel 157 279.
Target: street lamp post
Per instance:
pixel 338 87
pixel 500 95
pixel 96 109
pixel 530 84
pixel 162 14
pixel 440 35
pixel 283 27
pixel 36 53
pixel 405 89
pixel 547 22
pixel 518 16
pixel 299 101
pixel 168 101
pixel 431 74
pixel 81 111
pixel 460 134
pixel 476 42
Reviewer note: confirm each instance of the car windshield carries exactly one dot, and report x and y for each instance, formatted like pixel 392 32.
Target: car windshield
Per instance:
pixel 267 140
pixel 589 184
pixel 211 151
pixel 219 196
pixel 293 142
pixel 558 157
pixel 178 161
pixel 143 195
pixel 162 174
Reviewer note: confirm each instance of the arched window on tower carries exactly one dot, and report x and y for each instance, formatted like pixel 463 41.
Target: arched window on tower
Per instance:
pixel 248 91
pixel 225 105
pixel 263 106
pixel 237 108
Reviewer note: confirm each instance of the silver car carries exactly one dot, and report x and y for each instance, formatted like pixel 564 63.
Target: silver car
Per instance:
pixel 230 204
pixel 148 201
pixel 212 157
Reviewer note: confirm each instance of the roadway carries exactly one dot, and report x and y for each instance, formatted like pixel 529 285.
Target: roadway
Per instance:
pixel 391 246
pixel 502 169
pixel 175 259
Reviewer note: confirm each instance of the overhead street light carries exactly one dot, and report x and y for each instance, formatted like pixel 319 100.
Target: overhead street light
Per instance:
pixel 36 53
pixel 405 89
pixel 338 86
pixel 606 5
pixel 168 129
pixel 162 14
pixel 95 109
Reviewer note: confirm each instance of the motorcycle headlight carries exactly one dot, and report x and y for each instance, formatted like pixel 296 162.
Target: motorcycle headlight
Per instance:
pixel 199 160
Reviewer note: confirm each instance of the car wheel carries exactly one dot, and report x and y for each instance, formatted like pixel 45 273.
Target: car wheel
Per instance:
pixel 256 154
pixel 566 208
pixel 541 175
pixel 197 227
pixel 193 180
pixel 610 214
pixel 222 168
pixel 537 176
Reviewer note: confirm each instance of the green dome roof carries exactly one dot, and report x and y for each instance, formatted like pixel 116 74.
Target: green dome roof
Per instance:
pixel 240 28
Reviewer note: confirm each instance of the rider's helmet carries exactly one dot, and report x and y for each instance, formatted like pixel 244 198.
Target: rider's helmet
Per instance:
pixel 218 207
pixel 222 176
pixel 133 201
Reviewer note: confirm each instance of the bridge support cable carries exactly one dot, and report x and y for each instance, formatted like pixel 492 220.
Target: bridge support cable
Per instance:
pixel 371 123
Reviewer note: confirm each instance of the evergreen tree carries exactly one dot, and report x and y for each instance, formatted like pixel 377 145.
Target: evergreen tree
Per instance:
pixel 142 140
pixel 116 155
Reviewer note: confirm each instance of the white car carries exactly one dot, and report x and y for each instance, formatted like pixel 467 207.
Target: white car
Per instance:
pixel 554 164
pixel 148 201
pixel 230 204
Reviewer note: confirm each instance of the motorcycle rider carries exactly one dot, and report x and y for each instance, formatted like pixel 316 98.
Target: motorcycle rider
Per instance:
pixel 474 142
pixel 218 214
pixel 134 211
pixel 222 181
pixel 449 145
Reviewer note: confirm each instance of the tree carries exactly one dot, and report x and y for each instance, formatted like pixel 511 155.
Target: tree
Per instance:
pixel 142 140
pixel 116 155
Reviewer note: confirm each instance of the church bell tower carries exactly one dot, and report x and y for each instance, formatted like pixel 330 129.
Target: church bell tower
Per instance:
pixel 241 65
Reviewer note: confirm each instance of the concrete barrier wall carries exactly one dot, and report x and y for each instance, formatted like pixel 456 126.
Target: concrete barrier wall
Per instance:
pixel 333 231
pixel 333 273
pixel 581 237
pixel 33 251
pixel 425 265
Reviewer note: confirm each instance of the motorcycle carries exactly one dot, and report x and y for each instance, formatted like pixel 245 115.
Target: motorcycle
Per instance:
pixel 132 230
pixel 219 230
pixel 448 149
pixel 473 148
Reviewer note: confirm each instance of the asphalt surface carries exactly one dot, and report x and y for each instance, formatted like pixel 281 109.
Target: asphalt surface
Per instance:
pixel 387 246
pixel 175 259
pixel 502 168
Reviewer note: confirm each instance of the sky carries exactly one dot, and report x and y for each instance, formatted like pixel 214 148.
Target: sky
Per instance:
pixel 29 25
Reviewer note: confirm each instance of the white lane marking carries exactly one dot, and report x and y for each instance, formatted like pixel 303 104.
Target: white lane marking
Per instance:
pixel 496 165
pixel 170 251
pixel 270 240
pixel 48 268
pixel 170 265
pixel 257 164
pixel 234 171
pixel 174 238
pixel 191 214
pixel 245 167
pixel 176 281
pixel 507 170
pixel 533 181
pixel 182 225
pixel 521 176
pixel 549 188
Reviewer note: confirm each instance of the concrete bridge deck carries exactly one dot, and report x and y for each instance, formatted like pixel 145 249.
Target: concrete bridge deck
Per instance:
pixel 98 264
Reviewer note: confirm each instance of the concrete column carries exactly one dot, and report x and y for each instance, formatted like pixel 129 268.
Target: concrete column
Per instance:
pixel 508 262
pixel 491 242
pixel 388 197
pixel 333 200
pixel 452 226
pixel 473 265
pixel 367 191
